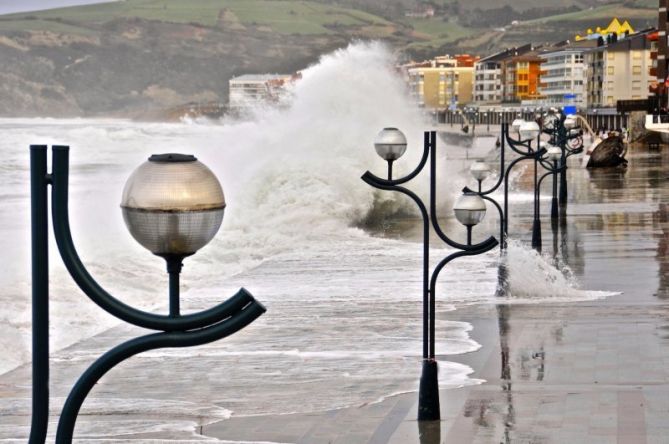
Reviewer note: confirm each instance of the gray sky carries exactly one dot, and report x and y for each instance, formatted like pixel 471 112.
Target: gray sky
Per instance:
pixel 11 6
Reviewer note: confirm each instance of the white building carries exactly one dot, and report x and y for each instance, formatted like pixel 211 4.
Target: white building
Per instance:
pixel 619 70
pixel 564 75
pixel 488 80
pixel 253 90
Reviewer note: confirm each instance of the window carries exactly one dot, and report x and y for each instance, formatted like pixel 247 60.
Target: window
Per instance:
pixel 610 70
pixel 636 84
pixel 636 69
pixel 636 55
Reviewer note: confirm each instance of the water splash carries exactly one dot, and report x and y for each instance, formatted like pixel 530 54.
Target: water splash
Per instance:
pixel 535 278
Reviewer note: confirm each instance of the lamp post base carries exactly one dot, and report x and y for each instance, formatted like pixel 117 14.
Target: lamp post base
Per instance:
pixel 428 393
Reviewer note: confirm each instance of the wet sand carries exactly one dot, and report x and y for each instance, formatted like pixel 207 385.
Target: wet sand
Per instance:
pixel 591 372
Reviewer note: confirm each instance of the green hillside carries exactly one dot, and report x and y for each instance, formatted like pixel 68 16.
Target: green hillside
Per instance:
pixel 134 56
pixel 289 17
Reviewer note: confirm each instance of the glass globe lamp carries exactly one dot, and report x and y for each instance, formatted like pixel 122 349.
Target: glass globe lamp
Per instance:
pixel 516 124
pixel 529 131
pixel 479 170
pixel 390 144
pixel 570 122
pixel 554 153
pixel 469 209
pixel 173 205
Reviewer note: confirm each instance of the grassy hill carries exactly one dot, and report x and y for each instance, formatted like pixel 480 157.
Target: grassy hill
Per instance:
pixel 133 56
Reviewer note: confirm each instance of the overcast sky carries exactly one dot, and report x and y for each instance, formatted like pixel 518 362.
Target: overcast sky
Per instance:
pixel 11 6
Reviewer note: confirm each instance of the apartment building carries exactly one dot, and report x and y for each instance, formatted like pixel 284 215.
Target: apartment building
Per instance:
pixel 520 77
pixel 442 82
pixel 619 69
pixel 490 74
pixel 564 74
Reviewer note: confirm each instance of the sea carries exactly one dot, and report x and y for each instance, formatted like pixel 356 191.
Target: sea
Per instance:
pixel 302 232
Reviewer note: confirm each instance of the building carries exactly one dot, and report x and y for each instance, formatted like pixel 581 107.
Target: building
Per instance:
pixel 659 54
pixel 615 28
pixel 564 74
pixel 521 76
pixel 253 90
pixel 442 82
pixel 488 88
pixel 619 69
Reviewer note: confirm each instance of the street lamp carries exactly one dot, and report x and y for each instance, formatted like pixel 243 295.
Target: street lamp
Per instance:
pixel 565 134
pixel 469 210
pixel 390 144
pixel 428 394
pixel 173 205
pixel 525 150
pixel 528 131
pixel 480 171
pixel 552 154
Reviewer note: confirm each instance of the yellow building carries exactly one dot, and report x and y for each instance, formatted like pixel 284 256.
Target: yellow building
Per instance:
pixel 442 86
pixel 615 27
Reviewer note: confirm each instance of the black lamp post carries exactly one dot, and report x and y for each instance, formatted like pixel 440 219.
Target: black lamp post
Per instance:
pixel 428 396
pixel 564 133
pixel 523 148
pixel 551 163
pixel 529 131
pixel 173 205
pixel 555 155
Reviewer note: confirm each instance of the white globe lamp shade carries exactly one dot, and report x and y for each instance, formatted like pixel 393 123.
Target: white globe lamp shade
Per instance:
pixel 173 205
pixel 390 144
pixel 469 209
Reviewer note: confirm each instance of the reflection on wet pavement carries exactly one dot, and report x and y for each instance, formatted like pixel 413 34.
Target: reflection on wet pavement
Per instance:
pixel 591 371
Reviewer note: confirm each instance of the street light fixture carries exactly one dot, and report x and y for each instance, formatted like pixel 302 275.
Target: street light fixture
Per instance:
pixel 428 393
pixel 390 144
pixel 529 131
pixel 173 205
pixel 469 210
pixel 550 162
pixel 565 134
pixel 554 154
pixel 480 171
pixel 527 152
pixel 570 122
pixel 516 124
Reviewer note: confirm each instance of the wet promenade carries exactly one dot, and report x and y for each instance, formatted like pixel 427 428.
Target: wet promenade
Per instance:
pixel 581 372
